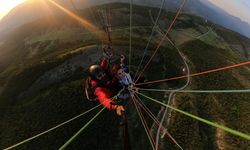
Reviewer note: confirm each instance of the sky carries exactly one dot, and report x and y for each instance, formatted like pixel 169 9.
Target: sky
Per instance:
pixel 7 5
pixel 239 8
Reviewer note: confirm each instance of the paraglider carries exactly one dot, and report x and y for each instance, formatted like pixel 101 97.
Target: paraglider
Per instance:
pixel 109 86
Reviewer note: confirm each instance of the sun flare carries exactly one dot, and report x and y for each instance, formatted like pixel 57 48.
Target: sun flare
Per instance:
pixel 7 5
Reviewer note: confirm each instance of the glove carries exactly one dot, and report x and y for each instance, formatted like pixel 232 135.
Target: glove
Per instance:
pixel 119 110
pixel 122 58
pixel 107 53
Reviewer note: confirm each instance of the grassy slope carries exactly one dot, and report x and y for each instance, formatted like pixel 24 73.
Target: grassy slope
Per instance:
pixel 227 109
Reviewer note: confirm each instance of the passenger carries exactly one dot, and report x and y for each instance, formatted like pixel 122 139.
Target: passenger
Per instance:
pixel 105 86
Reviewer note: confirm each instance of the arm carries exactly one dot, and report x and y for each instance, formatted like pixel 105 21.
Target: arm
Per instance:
pixel 104 63
pixel 129 78
pixel 104 98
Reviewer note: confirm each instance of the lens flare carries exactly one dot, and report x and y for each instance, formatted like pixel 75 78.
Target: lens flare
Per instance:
pixel 89 26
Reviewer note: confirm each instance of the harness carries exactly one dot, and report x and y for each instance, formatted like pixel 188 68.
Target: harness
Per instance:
pixel 89 90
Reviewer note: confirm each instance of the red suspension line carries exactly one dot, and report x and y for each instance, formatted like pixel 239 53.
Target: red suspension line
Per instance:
pixel 197 74
pixel 163 38
pixel 144 121
pixel 156 121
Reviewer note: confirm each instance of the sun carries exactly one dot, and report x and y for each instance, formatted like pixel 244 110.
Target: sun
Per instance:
pixel 7 5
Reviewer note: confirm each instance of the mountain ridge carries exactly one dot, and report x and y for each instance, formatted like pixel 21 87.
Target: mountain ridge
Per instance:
pixel 32 10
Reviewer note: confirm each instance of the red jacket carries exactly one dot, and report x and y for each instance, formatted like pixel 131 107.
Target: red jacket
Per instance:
pixel 103 94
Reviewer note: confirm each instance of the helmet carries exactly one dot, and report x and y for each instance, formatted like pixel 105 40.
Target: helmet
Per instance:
pixel 95 71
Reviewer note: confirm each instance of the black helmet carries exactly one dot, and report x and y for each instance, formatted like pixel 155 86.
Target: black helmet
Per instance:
pixel 95 71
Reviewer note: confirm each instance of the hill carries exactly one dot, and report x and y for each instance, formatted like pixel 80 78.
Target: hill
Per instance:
pixel 32 10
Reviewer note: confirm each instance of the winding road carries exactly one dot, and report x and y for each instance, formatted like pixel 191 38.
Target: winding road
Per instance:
pixel 171 96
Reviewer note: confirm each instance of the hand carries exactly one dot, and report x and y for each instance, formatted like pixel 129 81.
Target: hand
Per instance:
pixel 122 58
pixel 119 110
pixel 107 53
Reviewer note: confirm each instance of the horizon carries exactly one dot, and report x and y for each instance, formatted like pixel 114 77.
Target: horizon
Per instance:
pixel 7 6
pixel 239 8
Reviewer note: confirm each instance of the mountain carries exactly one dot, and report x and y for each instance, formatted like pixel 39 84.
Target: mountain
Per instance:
pixel 221 17
pixel 25 13
pixel 209 11
pixel 34 9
